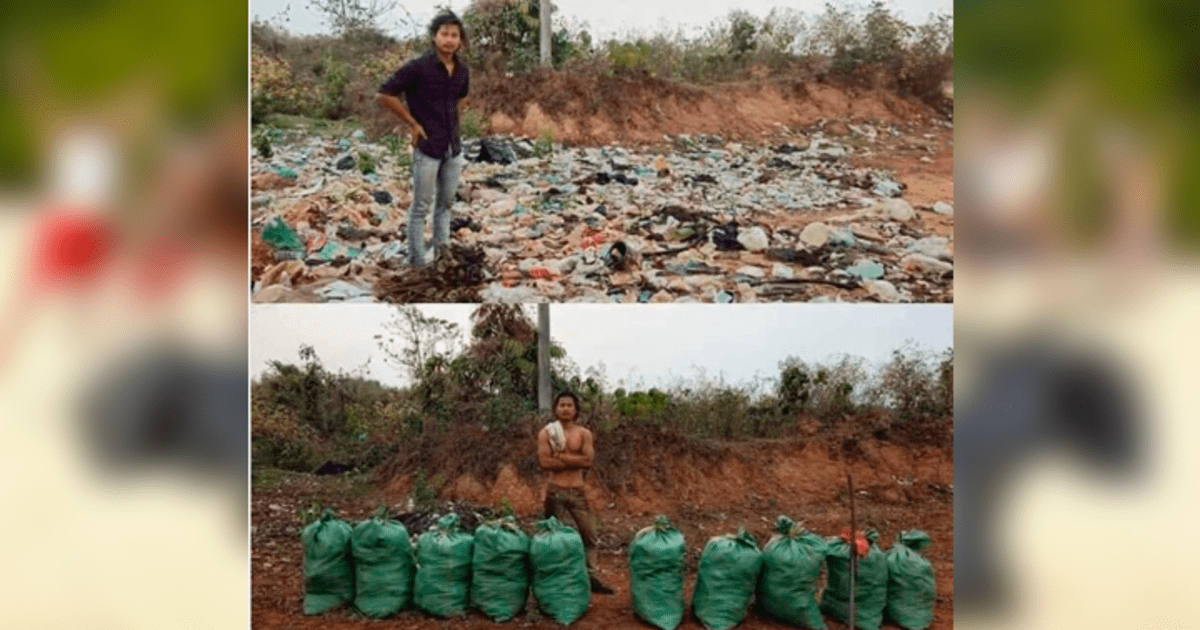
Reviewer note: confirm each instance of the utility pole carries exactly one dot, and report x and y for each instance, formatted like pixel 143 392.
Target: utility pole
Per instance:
pixel 544 30
pixel 544 358
pixel 853 549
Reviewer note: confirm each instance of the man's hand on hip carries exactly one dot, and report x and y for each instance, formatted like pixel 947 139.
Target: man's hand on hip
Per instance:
pixel 418 134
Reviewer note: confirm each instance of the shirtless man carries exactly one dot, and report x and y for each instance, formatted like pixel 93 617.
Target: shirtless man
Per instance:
pixel 564 461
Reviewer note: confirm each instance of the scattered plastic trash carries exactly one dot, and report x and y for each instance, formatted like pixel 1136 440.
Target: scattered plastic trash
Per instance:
pixel 867 270
pixel 815 234
pixel 342 290
pixel 842 237
pixel 935 247
pixel 887 189
pixel 495 151
pixel 882 289
pixel 925 264
pixel 280 236
pixel 897 209
pixel 750 271
pixel 726 237
pixel 754 239
pixel 614 256
pixel 610 223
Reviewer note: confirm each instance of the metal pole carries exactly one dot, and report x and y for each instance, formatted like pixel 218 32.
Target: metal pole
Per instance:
pixel 544 358
pixel 544 31
pixel 853 549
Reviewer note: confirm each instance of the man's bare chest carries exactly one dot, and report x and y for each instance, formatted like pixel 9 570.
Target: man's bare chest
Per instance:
pixel 574 442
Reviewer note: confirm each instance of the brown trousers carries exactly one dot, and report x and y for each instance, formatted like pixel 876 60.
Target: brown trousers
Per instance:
pixel 563 502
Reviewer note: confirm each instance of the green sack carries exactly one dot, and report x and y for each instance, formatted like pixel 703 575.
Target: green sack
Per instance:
pixel 728 575
pixel 560 577
pixel 912 588
pixel 328 565
pixel 656 560
pixel 787 588
pixel 443 580
pixel 383 566
pixel 500 569
pixel 870 587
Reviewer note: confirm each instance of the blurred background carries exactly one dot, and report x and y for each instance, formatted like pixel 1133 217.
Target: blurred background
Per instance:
pixel 1076 301
pixel 123 152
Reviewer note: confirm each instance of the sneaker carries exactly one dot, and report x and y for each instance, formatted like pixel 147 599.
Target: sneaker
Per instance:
pixel 600 587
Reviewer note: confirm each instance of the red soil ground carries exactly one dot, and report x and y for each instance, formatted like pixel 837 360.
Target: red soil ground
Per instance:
pixel 736 484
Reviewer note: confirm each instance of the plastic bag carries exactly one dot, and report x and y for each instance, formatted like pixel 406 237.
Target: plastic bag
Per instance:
pixel 383 566
pixel 560 577
pixel 328 565
pixel 726 580
pixel 500 569
pixel 870 587
pixel 787 588
pixel 912 586
pixel 656 564
pixel 443 581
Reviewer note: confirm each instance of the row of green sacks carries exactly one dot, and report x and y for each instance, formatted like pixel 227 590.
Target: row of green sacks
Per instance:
pixel 374 565
pixel 493 570
pixel 782 578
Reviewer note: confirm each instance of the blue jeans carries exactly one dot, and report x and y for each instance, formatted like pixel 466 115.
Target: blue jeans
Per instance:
pixel 435 183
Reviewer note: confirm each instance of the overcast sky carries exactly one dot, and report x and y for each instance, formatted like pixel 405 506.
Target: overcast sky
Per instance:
pixel 604 19
pixel 642 345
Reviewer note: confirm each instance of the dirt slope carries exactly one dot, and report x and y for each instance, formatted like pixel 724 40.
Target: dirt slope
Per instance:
pixel 598 110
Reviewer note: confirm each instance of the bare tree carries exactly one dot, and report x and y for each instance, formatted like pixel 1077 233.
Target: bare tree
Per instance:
pixel 411 339
pixel 350 16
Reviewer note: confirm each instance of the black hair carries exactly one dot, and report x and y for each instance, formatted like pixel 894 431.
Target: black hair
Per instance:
pixel 444 18
pixel 572 396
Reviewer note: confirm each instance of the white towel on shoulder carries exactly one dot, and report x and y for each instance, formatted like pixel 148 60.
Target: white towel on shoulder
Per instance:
pixel 558 440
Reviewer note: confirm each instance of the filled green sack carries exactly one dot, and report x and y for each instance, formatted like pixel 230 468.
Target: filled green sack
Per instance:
pixel 787 588
pixel 870 587
pixel 500 569
pixel 383 566
pixel 727 578
pixel 656 561
pixel 912 588
pixel 560 577
pixel 443 581
pixel 328 565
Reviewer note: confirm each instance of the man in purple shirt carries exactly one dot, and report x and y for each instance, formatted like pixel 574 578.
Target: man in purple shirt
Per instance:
pixel 435 86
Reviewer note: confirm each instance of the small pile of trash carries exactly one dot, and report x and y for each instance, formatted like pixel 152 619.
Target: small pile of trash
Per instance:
pixel 417 522
pixel 453 277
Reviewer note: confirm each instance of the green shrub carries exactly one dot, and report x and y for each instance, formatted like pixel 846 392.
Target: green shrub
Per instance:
pixel 425 491
pixel 262 144
pixel 505 36
pixel 544 145
pixel 366 162
pixel 472 123
pixel 336 75
pixel 287 453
